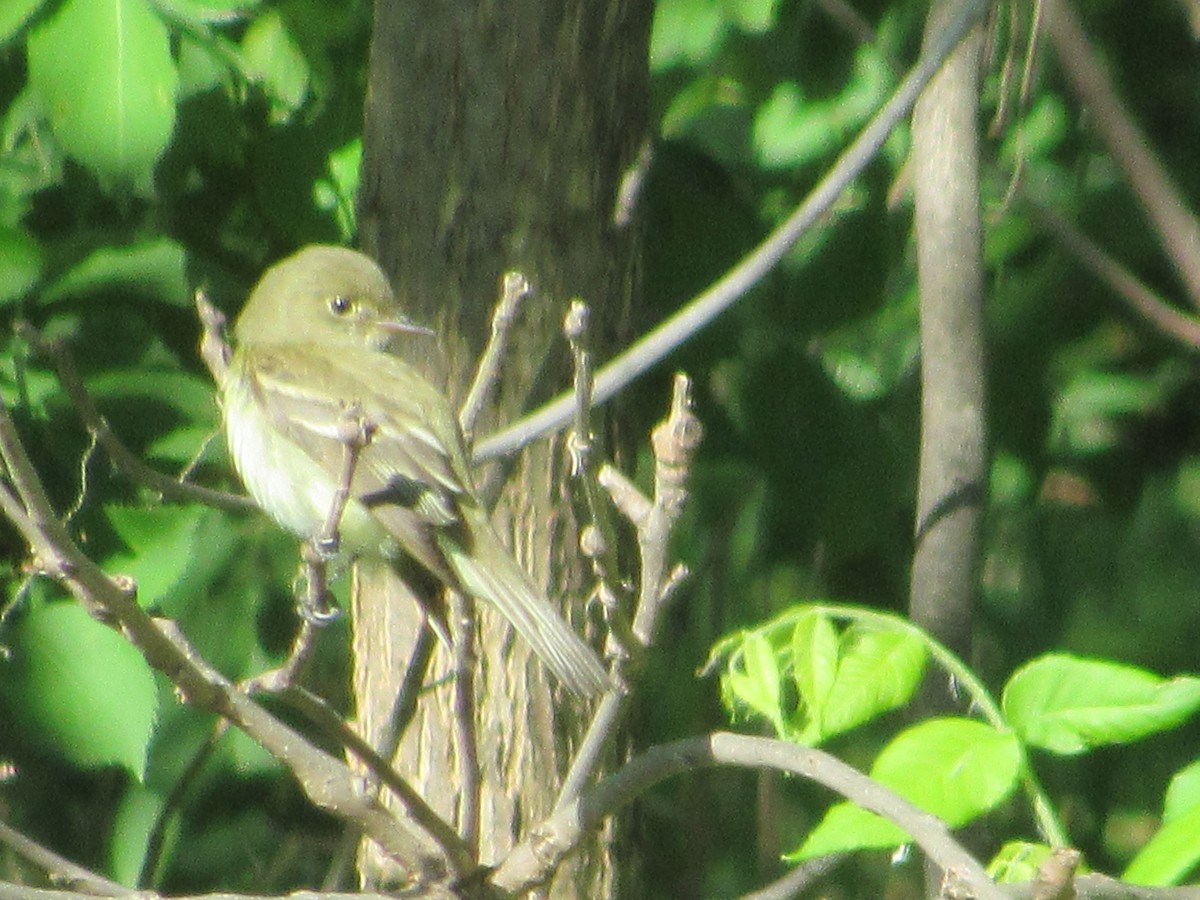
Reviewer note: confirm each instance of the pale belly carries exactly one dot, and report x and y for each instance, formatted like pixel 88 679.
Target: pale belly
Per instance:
pixel 286 483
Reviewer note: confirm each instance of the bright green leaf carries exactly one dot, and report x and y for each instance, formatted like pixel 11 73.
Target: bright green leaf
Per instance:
pixel 274 59
pixel 814 668
pixel 155 268
pixel 686 32
pixel 753 680
pixel 20 264
pixel 753 16
pixel 81 688
pixel 1018 862
pixel 956 769
pixel 878 671
pixel 1170 855
pixel 789 132
pixel 162 545
pixel 14 14
pixel 136 818
pixel 1183 793
pixel 104 72
pixel 1066 704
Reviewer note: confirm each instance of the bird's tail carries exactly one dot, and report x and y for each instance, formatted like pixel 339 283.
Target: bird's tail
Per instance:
pixel 488 572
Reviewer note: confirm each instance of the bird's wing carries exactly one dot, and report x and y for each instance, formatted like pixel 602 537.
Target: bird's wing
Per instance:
pixel 412 471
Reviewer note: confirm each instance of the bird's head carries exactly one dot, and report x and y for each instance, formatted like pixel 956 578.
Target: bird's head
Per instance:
pixel 324 295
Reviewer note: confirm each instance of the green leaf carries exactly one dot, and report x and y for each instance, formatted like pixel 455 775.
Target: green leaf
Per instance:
pixel 20 264
pixel 80 688
pixel 789 132
pixel 878 671
pixel 814 668
pixel 1066 704
pixel 162 545
pixel 753 16
pixel 104 72
pixel 275 61
pixel 1183 792
pixel 686 32
pixel 155 268
pixel 1018 862
pixel 137 816
pixel 956 769
pixel 336 193
pixel 753 681
pixel 13 16
pixel 1170 855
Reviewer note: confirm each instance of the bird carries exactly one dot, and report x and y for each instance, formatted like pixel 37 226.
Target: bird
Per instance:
pixel 311 350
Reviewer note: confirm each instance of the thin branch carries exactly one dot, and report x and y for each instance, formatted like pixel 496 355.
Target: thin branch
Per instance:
pixel 675 441
pixel 122 457
pixel 326 780
pixel 60 869
pixel 214 349
pixel 534 860
pixel 597 539
pixel 655 346
pixel 1176 227
pixel 798 879
pixel 1148 306
pixel 514 287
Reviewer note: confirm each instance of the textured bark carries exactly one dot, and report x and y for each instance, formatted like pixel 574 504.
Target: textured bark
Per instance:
pixel 496 136
pixel 953 462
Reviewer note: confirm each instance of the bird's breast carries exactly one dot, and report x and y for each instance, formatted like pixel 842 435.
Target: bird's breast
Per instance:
pixel 285 481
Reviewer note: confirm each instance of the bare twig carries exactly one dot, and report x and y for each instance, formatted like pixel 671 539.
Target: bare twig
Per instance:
pixel 60 869
pixel 633 180
pixel 533 860
pixel 214 349
pixel 597 539
pixel 1148 306
pixel 675 441
pixel 1176 226
pixel 121 456
pixel 654 346
pixel 798 879
pixel 514 287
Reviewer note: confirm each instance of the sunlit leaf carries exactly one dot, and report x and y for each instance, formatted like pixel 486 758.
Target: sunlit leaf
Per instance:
pixel 161 546
pixel 274 59
pixel 80 688
pixel 20 263
pixel 1170 855
pixel 154 268
pixel 956 769
pixel 104 72
pixel 14 14
pixel 1066 704
pixel 877 671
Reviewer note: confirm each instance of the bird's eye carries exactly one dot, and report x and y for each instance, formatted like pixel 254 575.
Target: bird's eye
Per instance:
pixel 339 304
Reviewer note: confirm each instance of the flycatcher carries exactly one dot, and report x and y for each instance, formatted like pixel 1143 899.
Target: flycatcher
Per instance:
pixel 311 350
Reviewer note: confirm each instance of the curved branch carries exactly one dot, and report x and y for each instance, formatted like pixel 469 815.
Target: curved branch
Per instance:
pixel 654 346
pixel 533 860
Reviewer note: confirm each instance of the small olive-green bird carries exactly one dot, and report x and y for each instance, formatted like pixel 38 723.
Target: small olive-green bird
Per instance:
pixel 312 344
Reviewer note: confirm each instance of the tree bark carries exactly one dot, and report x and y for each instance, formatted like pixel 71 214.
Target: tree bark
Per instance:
pixel 495 138
pixel 953 460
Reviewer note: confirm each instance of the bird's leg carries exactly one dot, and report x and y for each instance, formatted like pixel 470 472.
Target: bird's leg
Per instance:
pixel 354 432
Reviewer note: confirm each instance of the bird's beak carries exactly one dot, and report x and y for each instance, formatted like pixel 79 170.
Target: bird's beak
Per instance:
pixel 402 325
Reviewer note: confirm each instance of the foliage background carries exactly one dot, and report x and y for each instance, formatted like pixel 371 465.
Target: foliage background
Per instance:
pixel 230 137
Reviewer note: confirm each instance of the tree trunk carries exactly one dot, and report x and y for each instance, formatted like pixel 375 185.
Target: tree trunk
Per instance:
pixel 495 138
